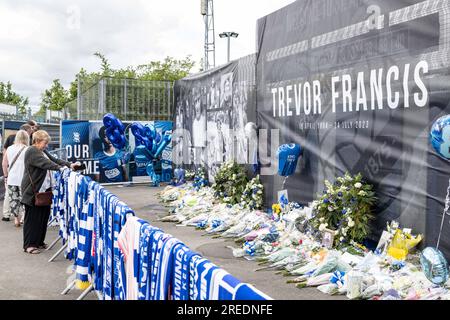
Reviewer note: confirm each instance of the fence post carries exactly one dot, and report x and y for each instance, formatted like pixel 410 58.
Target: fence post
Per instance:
pixel 79 100
pixel 125 97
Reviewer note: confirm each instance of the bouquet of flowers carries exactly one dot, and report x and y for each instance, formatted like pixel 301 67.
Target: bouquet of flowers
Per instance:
pixel 189 175
pixel 346 207
pixel 230 183
pixel 252 197
pixel 200 179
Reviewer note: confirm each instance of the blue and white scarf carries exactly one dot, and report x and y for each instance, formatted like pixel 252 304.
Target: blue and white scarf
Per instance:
pixel 180 279
pixel 201 272
pixel 108 253
pixel 206 281
pixel 145 250
pixel 121 213
pixel 86 228
pixel 157 247
pixel 165 269
pixel 246 291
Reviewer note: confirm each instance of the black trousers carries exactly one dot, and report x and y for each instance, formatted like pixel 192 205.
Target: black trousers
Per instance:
pixel 35 226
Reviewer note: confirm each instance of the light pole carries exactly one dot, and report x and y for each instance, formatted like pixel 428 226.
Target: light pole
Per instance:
pixel 228 35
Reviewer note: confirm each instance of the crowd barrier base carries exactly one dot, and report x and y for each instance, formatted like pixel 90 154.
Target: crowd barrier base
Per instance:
pixel 58 253
pixel 84 293
pixel 69 287
pixel 53 243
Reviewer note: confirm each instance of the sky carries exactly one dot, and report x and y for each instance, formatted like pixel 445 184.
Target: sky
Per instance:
pixel 53 39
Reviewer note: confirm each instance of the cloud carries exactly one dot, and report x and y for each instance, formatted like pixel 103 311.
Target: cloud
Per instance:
pixel 50 39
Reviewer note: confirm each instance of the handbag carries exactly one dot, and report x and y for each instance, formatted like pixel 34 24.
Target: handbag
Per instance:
pixel 41 199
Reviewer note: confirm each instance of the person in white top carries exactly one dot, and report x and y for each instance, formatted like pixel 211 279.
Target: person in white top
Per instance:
pixel 16 167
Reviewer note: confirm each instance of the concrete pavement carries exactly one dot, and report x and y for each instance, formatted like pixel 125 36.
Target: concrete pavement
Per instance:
pixel 25 276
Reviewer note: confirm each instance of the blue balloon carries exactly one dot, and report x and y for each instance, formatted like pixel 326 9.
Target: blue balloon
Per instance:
pixel 158 138
pixel 179 174
pixel 150 131
pixel 114 131
pixel 288 155
pixel 440 136
pixel 108 120
pixel 156 179
pixel 120 126
pixel 136 130
pixel 147 143
pixel 165 142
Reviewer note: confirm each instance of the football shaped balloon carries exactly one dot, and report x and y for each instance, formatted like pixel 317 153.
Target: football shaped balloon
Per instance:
pixel 440 136
pixel 434 266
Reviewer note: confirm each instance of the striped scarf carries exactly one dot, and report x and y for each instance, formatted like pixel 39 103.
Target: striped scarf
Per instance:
pixel 147 235
pixel 165 269
pixel 157 247
pixel 86 227
pixel 180 275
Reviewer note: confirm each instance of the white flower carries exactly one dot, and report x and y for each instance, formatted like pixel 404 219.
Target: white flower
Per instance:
pixel 362 193
pixel 351 224
pixel 259 191
pixel 395 225
pixel 358 185
pixel 321 219
pixel 341 239
pixel 323 226
pixel 330 208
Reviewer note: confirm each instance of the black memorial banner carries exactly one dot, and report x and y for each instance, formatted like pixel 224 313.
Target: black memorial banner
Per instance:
pixel 358 85
pixel 214 107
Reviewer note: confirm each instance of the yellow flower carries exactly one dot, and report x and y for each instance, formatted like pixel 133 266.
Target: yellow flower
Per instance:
pixel 276 208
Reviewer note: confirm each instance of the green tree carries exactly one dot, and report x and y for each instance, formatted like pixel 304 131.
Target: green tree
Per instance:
pixel 138 96
pixel 8 96
pixel 54 98
pixel 170 69
pixel 106 67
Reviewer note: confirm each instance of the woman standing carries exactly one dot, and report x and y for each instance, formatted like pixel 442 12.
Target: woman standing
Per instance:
pixel 15 162
pixel 37 178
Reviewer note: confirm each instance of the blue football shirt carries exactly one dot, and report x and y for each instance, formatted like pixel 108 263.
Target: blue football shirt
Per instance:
pixel 142 158
pixel 110 166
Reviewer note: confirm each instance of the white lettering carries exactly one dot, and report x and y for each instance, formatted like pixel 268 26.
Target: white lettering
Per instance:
pixel 393 104
pixel 376 88
pixel 288 100
pixel 361 98
pixel 405 86
pixel 281 105
pixel 274 94
pixel 421 66
pixel 297 93
pixel 334 94
pixel 317 100
pixel 307 98
pixel 347 92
